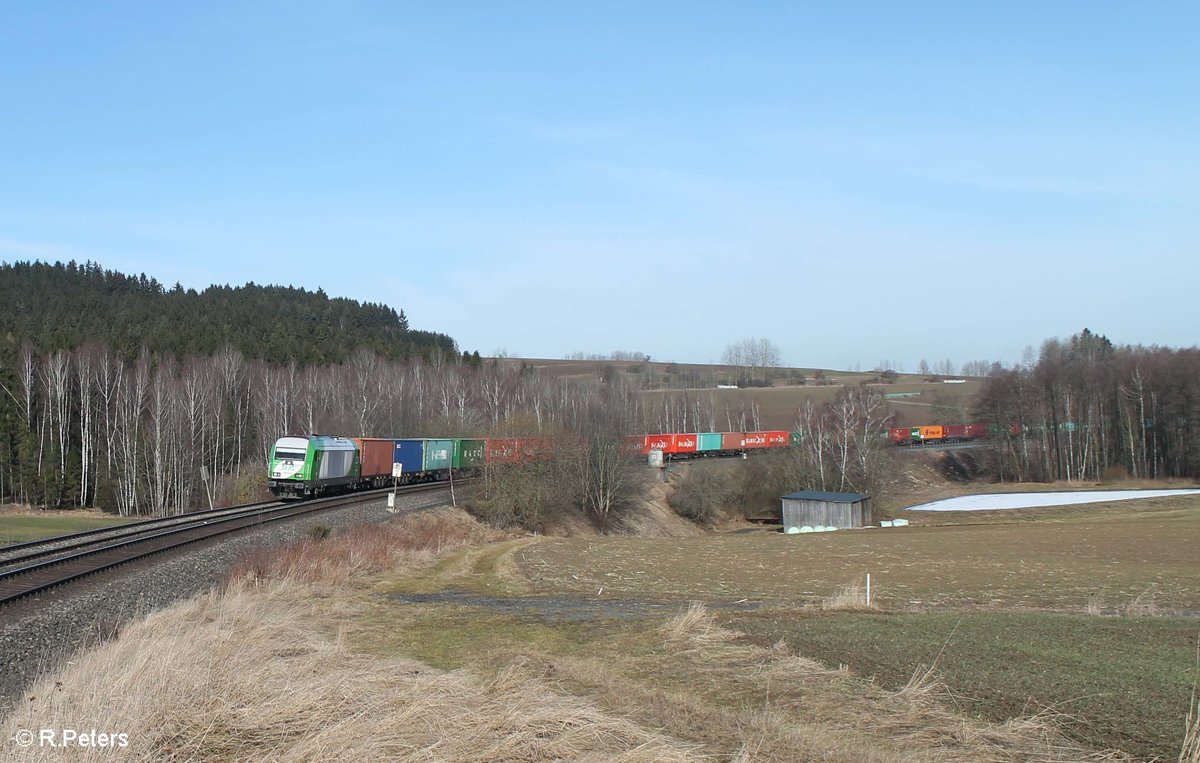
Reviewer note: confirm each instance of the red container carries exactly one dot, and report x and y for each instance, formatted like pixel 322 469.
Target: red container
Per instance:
pixel 683 443
pixel 634 443
pixel 777 439
pixel 501 450
pixel 751 440
pixel 661 442
pixel 899 435
pixel 731 440
pixel 976 431
pixel 954 432
pixel 375 456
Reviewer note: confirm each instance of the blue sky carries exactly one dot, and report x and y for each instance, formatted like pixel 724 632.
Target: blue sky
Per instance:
pixel 856 183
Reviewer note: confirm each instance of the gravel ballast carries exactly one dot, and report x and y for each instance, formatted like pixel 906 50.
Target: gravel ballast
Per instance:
pixel 39 633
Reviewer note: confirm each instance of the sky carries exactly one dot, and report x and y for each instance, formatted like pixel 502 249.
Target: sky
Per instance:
pixel 856 182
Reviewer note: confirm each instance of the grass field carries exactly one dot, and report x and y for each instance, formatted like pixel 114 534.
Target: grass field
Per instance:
pixel 433 637
pixel 778 406
pixel 1000 604
pixel 24 526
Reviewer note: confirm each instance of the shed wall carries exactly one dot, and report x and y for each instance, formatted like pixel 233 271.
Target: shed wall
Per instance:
pixel 801 513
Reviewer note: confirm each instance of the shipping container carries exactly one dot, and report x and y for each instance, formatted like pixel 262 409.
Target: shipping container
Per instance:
pixel 375 456
pixel 776 439
pixel 954 432
pixel 658 442
pixel 634 444
pixel 900 435
pixel 708 441
pixel 410 454
pixel 732 441
pixel 751 440
pixel 976 431
pixel 927 433
pixel 468 454
pixel 502 451
pixel 439 454
pixel 683 443
pixel 795 438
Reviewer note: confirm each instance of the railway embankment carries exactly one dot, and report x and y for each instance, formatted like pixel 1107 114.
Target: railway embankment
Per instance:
pixel 48 629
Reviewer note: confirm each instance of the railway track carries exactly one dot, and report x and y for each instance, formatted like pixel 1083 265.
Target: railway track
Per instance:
pixel 28 568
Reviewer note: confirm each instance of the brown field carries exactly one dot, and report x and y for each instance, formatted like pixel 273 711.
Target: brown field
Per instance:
pixel 777 405
pixel 1109 553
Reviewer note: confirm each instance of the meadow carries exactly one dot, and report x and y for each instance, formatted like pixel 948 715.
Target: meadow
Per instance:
pixel 21 526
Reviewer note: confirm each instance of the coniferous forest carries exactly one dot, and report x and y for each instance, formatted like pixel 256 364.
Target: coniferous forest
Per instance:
pixel 122 393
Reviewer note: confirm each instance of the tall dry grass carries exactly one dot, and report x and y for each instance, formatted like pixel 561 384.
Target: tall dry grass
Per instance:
pixel 852 596
pixel 778 706
pixel 244 675
pixel 360 551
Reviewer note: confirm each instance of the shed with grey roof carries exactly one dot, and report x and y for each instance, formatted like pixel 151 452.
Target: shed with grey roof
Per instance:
pixel 814 508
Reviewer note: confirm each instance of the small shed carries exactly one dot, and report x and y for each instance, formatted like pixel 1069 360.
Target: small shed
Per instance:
pixel 814 508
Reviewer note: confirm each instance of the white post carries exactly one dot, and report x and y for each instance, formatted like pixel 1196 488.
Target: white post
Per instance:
pixel 868 589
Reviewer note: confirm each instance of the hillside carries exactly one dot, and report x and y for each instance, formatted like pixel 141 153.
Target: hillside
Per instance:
pixel 59 306
pixel 777 396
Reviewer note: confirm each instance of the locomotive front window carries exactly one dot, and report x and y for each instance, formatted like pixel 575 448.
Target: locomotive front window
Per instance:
pixel 289 455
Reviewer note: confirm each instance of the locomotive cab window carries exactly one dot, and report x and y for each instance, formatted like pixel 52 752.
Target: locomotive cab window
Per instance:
pixel 289 455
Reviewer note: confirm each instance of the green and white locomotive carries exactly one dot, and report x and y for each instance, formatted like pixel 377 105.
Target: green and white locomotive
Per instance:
pixel 311 465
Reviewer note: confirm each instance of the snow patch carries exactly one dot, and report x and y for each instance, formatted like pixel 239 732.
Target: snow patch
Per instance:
pixel 999 501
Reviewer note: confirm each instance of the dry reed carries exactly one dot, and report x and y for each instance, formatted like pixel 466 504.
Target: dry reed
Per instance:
pixel 243 675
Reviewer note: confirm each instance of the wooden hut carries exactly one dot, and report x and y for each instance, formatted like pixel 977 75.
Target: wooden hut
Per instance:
pixel 813 508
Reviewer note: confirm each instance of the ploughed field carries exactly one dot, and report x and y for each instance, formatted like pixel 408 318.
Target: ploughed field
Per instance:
pixel 1085 559
pixel 1088 615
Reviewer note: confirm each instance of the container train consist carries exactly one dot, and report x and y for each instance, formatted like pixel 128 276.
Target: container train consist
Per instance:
pixel 944 433
pixel 311 465
pixel 680 446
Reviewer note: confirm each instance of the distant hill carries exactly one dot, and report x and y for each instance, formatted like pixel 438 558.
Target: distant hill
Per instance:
pixel 64 306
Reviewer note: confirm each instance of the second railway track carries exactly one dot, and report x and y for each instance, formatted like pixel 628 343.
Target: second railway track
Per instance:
pixel 40 565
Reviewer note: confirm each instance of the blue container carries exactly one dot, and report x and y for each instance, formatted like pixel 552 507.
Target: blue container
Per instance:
pixel 706 441
pixel 410 454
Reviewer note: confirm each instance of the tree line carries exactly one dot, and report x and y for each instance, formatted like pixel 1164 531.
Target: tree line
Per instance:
pixel 1089 410
pixel 65 306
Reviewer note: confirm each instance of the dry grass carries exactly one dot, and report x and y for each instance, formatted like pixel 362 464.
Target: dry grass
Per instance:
pixel 852 596
pixel 695 629
pixel 1189 751
pixel 271 668
pixel 1143 605
pixel 362 550
pixel 751 703
pixel 244 675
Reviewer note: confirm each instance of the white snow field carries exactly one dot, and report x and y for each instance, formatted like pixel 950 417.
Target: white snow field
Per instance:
pixel 994 501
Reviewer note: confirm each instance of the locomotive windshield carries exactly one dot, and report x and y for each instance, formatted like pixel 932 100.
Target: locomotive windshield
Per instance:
pixel 289 455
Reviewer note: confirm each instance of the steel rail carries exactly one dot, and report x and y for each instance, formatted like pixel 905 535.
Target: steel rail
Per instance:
pixel 56 544
pixel 39 576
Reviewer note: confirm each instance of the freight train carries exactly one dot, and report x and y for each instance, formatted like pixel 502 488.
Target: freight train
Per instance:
pixel 944 433
pixel 311 465
pixel 701 444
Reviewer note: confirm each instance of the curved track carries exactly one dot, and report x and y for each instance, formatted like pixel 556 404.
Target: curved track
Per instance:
pixel 43 564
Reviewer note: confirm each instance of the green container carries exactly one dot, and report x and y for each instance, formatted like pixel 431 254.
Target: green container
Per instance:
pixel 706 441
pixel 439 454
pixel 794 438
pixel 468 453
